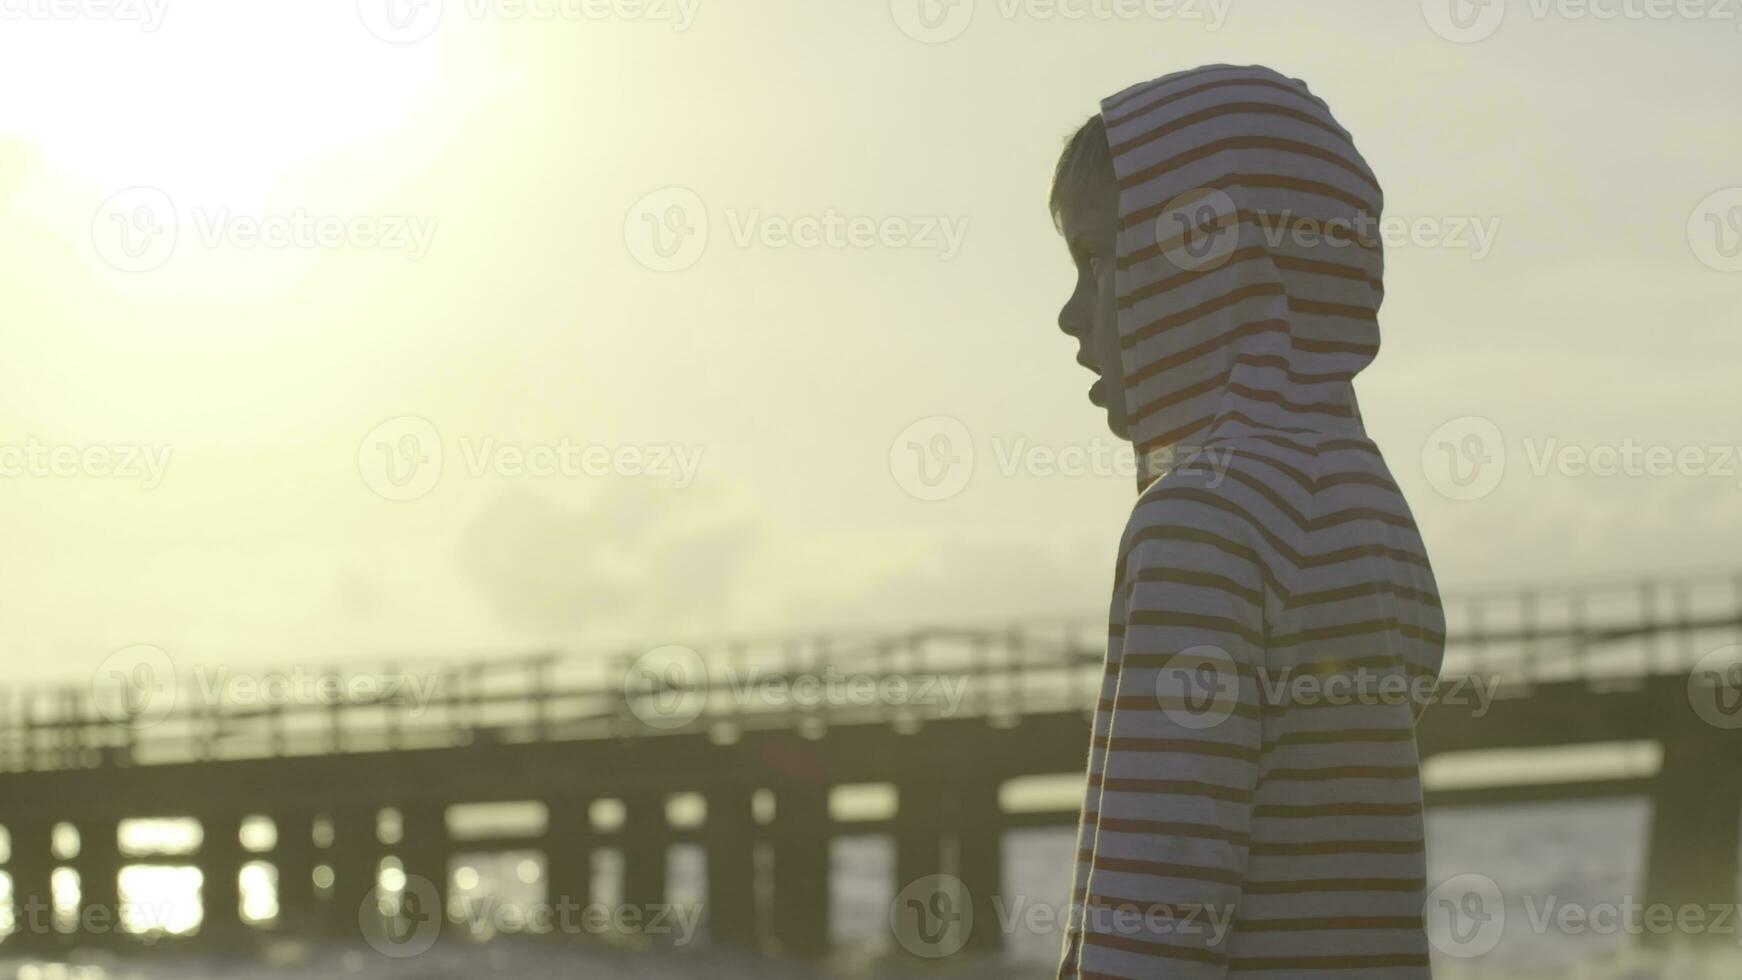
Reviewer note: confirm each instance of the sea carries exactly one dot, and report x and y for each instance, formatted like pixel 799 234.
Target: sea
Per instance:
pixel 1559 874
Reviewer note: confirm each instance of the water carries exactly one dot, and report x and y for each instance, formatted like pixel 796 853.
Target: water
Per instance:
pixel 1583 855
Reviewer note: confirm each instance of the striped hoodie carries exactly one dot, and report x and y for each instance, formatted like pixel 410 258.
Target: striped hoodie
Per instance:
pixel 1254 801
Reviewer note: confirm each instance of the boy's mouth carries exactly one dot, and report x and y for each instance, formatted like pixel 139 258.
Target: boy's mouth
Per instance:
pixel 1098 393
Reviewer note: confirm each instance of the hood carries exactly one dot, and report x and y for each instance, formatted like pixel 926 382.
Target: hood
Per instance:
pixel 1250 269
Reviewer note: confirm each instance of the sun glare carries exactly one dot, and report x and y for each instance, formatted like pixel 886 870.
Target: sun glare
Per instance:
pixel 221 99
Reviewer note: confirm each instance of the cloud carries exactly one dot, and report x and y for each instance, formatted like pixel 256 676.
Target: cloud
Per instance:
pixel 633 559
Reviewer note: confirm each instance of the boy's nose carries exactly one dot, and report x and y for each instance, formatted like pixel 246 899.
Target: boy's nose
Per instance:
pixel 1072 321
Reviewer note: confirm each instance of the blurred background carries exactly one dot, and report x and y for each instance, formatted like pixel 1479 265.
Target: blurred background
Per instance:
pixel 614 395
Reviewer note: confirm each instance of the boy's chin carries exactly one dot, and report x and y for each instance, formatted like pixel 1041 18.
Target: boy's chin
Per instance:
pixel 1117 424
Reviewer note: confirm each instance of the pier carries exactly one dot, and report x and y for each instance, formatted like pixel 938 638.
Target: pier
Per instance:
pixel 747 750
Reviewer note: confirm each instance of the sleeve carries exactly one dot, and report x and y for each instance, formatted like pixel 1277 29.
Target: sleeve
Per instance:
pixel 1179 759
pixel 1092 795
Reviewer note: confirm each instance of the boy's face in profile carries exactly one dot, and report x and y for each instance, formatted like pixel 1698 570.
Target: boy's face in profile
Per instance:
pixel 1089 220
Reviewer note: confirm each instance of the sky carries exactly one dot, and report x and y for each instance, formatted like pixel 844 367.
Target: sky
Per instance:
pixel 338 331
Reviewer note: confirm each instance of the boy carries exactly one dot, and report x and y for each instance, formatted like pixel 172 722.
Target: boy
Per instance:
pixel 1254 798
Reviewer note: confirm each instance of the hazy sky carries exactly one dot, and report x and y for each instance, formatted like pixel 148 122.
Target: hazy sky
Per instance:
pixel 243 236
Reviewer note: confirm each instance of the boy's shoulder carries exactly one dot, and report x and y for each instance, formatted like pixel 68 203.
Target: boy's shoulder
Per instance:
pixel 1194 501
pixel 1197 523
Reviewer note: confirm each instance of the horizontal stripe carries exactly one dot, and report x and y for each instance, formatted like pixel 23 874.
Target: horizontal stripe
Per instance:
pixel 1370 961
pixel 1309 885
pixel 1247 181
pixel 1413 922
pixel 1319 848
pixel 1162 869
pixel 1175 787
pixel 1170 828
pixel 1217 112
pixel 1278 144
pixel 1130 108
